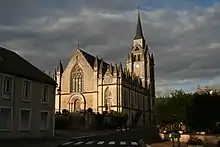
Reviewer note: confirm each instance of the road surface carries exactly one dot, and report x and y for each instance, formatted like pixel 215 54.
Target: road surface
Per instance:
pixel 119 138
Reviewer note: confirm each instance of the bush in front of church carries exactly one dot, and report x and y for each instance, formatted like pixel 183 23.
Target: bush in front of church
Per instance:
pixel 110 120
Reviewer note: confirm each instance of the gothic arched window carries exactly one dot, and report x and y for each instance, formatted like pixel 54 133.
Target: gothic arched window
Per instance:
pixel 77 79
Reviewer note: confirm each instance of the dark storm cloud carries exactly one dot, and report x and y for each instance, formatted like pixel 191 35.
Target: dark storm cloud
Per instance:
pixel 185 42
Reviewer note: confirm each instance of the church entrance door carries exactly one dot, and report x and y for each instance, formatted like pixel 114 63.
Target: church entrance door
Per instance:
pixel 77 105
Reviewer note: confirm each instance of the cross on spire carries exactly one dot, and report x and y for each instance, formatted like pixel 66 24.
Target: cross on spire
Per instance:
pixel 77 44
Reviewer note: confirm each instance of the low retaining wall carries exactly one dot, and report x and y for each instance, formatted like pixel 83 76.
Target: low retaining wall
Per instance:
pixel 185 137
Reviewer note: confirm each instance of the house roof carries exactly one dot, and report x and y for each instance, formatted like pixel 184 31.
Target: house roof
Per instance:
pixel 14 64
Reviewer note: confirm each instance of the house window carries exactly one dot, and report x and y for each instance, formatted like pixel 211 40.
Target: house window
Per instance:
pixel 44 120
pixel 6 119
pixel 25 120
pixel 26 96
pixel 7 87
pixel 45 94
pixel 77 79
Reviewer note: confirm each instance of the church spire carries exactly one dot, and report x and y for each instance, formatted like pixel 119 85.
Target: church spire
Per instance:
pixel 139 32
pixel 60 67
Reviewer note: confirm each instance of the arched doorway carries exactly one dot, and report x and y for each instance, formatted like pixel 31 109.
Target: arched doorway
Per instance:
pixel 77 103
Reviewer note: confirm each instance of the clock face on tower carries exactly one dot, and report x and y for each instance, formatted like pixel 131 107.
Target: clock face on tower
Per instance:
pixel 137 65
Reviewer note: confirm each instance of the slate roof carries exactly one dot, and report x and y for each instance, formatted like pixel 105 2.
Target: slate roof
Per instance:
pixel 139 31
pixel 91 59
pixel 15 65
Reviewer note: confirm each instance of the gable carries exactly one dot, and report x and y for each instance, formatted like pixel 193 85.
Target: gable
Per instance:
pixel 88 58
pixel 13 64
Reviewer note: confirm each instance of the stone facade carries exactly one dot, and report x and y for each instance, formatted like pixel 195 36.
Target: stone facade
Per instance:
pixel 90 82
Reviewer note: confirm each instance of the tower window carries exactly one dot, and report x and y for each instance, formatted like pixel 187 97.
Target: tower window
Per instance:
pixel 134 58
pixel 136 49
pixel 139 57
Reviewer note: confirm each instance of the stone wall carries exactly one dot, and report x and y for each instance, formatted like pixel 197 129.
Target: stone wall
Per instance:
pixel 212 138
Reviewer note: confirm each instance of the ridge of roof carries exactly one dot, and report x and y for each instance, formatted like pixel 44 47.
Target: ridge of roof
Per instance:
pixel 16 65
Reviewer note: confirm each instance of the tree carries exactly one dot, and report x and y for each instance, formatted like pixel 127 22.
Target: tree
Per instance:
pixel 200 111
pixel 173 108
pixel 203 114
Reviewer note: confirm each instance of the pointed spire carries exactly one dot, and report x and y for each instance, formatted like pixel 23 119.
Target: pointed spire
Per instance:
pixel 152 57
pixel 77 45
pixel 120 69
pixel 115 72
pixel 148 56
pixel 129 58
pixel 139 32
pixel 60 67
pixel 111 68
pixel 100 67
pixel 55 75
pixel 96 64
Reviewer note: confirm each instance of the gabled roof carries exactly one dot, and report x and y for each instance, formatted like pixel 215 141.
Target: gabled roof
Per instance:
pixel 91 59
pixel 15 65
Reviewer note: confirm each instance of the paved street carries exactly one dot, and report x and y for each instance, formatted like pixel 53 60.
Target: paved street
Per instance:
pixel 123 138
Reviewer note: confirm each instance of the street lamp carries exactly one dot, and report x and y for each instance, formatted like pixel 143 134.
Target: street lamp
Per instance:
pixel 59 94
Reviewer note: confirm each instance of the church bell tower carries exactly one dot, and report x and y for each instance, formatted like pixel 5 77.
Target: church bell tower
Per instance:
pixel 139 60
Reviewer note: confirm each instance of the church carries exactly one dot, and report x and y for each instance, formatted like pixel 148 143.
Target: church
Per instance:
pixel 90 82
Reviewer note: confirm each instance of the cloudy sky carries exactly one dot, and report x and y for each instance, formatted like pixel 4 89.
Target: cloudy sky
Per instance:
pixel 184 35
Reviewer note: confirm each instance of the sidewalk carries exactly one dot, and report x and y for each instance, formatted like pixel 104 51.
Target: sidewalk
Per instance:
pixel 170 144
pixel 166 144
pixel 61 136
